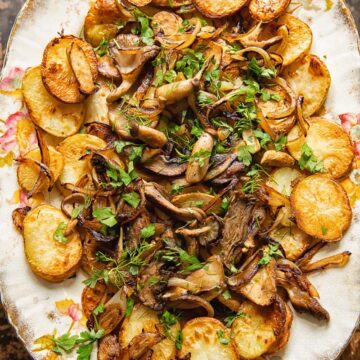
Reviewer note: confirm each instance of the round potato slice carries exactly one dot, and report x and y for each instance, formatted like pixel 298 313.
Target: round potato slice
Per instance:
pixel 57 74
pixel 166 22
pixel 51 115
pixel 207 338
pixel 144 319
pixel 73 148
pixel 219 8
pixel 256 331
pixel 51 260
pixel 28 175
pixel 140 2
pixel 282 179
pixel 321 207
pixel 294 241
pixel 102 21
pixel 311 79
pixel 267 10
pixel 299 38
pixel 329 143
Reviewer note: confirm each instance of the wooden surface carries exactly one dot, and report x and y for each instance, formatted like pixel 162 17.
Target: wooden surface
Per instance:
pixel 10 347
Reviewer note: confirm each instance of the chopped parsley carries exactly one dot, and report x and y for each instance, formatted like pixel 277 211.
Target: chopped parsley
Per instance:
pixel 146 32
pixel 103 48
pixel 132 198
pixel 231 318
pixel 244 154
pixel 59 234
pixel 273 251
pixel 105 216
pixel 190 63
pixel 260 71
pixel 147 231
pixel 221 336
pixel 309 161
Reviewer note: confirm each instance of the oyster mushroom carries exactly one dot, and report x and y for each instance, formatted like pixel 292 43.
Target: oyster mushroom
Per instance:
pixel 199 164
pixel 109 348
pixel 165 166
pixel 176 91
pixel 153 194
pixel 152 137
pixel 130 59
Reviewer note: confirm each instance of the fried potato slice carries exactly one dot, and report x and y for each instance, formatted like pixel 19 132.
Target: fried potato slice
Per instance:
pixel 96 105
pixel 294 241
pixel 57 74
pixel 51 115
pixel 171 3
pixel 203 340
pixel 276 159
pixel 299 38
pixel 73 148
pixel 261 289
pixel 81 68
pixel 219 8
pixel 101 21
pixel 282 179
pixel 256 331
pixel 311 79
pixel 267 10
pixel 48 258
pixel 321 207
pixel 143 319
pixel 28 175
pixel 329 143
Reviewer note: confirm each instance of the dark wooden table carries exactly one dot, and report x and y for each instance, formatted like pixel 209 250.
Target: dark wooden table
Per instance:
pixel 10 347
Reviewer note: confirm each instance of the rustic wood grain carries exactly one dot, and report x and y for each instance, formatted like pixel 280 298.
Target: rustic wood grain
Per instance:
pixel 10 347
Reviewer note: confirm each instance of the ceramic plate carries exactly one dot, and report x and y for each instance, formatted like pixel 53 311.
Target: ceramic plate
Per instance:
pixel 37 308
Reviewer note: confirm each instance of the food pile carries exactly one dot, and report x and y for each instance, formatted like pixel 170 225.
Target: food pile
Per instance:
pixel 197 176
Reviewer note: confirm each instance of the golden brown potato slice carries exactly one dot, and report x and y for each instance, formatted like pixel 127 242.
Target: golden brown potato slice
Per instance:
pixel 171 3
pixel 50 259
pixel 299 38
pixel 28 175
pixel 73 148
pixel 329 143
pixel 96 105
pixel 267 10
pixel 321 207
pixel 311 79
pixel 51 115
pixel 282 179
pixel 143 319
pixel 57 74
pixel 261 289
pixel 207 338
pixel 102 21
pixel 283 338
pixel 256 331
pixel 81 68
pixel 276 159
pixel 294 241
pixel 218 8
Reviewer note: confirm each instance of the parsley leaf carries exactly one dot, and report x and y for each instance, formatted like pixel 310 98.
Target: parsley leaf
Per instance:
pixel 280 142
pixel 225 203
pixel 103 48
pixel 170 76
pixel 132 198
pixel 260 71
pixel 99 309
pixel 231 318
pixel 97 274
pixel 59 235
pixel 200 156
pixel 244 154
pixel 179 340
pixel 226 294
pixel 129 306
pixel 263 138
pixel 84 351
pixel 191 62
pixel 146 33
pixel 221 336
pixel 147 231
pixel 105 216
pixel 309 161
pixel 324 230
pixel 272 252
pixel 64 343
pixel 176 189
pixel 203 99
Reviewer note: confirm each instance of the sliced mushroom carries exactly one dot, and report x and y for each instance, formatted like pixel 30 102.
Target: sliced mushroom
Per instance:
pixel 277 159
pixel 176 91
pixel 109 348
pixel 198 199
pixel 154 195
pixel 220 168
pixel 192 302
pixel 140 345
pixel 241 223
pixel 199 164
pixel 211 237
pixel 107 68
pixel 165 166
pixel 299 295
pixel 338 260
pixel 152 137
pixel 130 59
